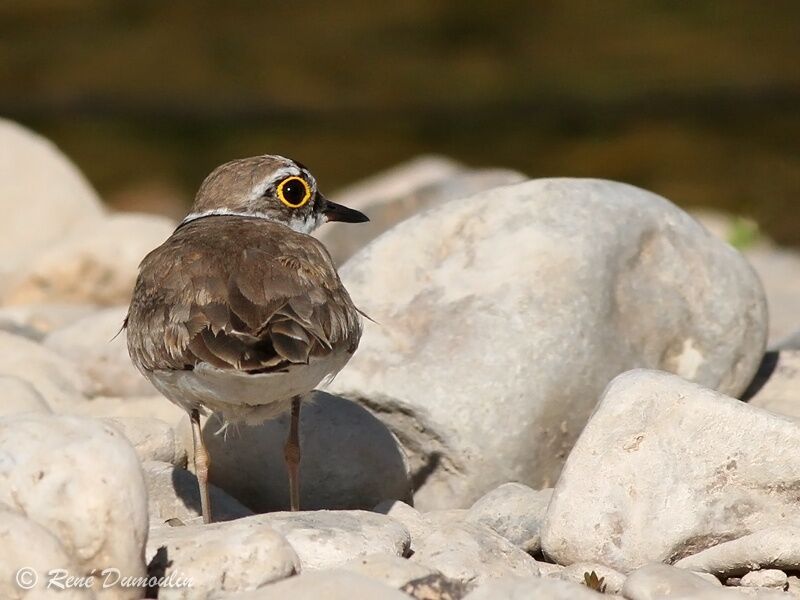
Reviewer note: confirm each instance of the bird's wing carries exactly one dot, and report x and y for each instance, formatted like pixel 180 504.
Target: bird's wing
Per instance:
pixel 258 305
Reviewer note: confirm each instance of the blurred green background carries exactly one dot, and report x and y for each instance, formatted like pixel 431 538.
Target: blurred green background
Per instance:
pixel 698 101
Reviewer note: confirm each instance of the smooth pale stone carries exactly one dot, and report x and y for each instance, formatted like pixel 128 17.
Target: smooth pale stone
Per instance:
pixel 326 539
pixel 96 264
pixel 35 321
pixel 389 569
pixel 528 588
pixel 536 282
pixel 612 580
pixel 402 191
pixel 153 439
pixel 350 459
pixel 776 386
pixel 97 345
pixel 666 468
pixel 56 379
pixel 656 581
pixel 19 396
pixel 789 342
pixel 156 407
pixel 515 511
pixel 27 545
pixel 80 479
pixel 323 585
pixel 173 493
pixel 43 195
pixel 765 578
pixel 779 271
pixel 445 516
pixel 235 556
pixel 775 547
pixel 409 516
pixel 469 552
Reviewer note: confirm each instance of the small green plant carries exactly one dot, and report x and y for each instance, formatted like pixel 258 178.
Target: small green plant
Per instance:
pixel 593 582
pixel 743 233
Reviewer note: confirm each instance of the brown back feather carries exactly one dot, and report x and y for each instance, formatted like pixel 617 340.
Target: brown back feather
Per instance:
pixel 238 293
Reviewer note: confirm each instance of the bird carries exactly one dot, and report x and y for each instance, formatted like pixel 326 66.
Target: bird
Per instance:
pixel 241 312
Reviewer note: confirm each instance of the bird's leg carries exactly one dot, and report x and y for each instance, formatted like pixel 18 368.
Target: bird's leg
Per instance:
pixel 201 463
pixel 291 452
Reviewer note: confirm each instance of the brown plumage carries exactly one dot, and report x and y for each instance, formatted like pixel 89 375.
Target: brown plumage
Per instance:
pixel 238 293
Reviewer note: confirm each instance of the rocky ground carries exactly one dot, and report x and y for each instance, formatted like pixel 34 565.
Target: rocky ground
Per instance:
pixel 548 404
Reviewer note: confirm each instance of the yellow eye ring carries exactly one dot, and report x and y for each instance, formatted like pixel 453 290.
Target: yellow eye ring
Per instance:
pixel 294 192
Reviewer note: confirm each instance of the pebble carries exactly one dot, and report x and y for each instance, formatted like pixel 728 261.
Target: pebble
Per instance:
pixel 35 321
pixel 772 578
pixel 514 511
pixel 632 281
pixel 235 556
pixel 19 396
pixel 97 345
pixel 327 539
pixel 53 377
pixel 470 552
pixel 390 569
pixel 776 386
pixel 527 588
pixel 656 581
pixel 683 468
pixel 97 263
pixel 152 438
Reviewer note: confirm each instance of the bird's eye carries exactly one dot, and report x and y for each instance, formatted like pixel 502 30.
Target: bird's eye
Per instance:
pixel 294 192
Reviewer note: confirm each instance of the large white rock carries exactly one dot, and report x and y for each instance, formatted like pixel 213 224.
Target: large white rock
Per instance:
pixel 55 379
pixel 203 561
pixel 666 468
pixel 326 539
pixel 350 459
pixel 402 191
pixel 500 318
pixel 43 195
pixel 81 480
pixel 96 264
pixel 97 345
pixel 28 552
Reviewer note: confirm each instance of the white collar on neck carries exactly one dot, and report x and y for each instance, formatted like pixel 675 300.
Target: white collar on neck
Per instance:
pixel 300 225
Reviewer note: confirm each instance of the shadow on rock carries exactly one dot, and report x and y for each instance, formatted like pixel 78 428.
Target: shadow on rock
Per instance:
pixel 350 459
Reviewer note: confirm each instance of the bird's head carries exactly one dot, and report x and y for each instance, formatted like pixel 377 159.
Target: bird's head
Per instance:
pixel 269 187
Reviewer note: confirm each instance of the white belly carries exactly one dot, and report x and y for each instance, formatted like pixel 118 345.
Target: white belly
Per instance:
pixel 241 397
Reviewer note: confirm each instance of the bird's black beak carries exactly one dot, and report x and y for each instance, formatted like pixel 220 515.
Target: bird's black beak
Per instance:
pixel 337 212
